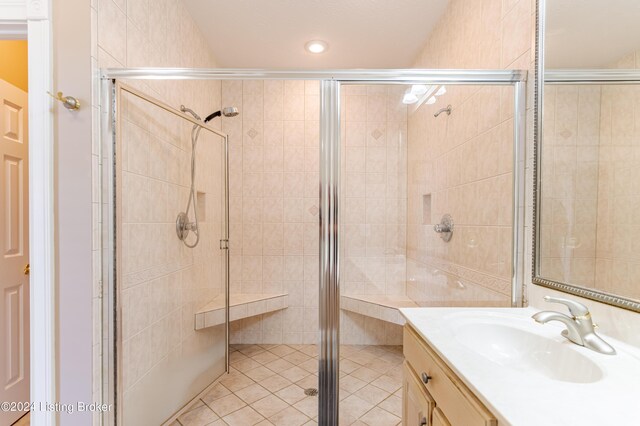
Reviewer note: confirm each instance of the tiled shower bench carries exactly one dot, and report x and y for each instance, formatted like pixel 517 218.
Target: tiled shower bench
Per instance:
pixel 384 308
pixel 240 306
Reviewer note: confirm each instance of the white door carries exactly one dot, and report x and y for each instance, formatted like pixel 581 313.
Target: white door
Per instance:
pixel 14 249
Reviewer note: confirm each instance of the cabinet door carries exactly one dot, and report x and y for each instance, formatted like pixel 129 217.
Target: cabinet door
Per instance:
pixel 417 405
pixel 438 418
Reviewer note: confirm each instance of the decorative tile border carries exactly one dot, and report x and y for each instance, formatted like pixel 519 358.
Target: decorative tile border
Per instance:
pixel 499 285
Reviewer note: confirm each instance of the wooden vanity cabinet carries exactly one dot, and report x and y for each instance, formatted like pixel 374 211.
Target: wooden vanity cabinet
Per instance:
pixel 417 405
pixel 438 418
pixel 432 394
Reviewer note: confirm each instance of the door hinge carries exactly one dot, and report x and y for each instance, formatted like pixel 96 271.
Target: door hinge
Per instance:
pixel 224 244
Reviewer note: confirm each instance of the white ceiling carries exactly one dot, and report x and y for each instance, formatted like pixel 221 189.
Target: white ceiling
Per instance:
pixel 272 33
pixel 590 33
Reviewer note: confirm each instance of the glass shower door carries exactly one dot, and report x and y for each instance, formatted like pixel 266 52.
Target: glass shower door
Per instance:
pixel 170 293
pixel 411 156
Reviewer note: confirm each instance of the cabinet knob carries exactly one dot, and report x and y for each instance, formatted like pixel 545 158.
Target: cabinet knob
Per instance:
pixel 423 422
pixel 425 378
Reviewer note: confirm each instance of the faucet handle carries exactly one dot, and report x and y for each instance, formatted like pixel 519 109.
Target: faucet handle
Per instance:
pixel 577 309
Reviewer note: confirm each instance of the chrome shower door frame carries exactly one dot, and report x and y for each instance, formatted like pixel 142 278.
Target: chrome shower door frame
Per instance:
pixel 110 217
pixel 329 185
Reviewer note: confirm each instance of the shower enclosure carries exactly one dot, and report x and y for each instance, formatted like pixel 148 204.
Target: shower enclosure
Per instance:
pixel 319 209
pixel 160 274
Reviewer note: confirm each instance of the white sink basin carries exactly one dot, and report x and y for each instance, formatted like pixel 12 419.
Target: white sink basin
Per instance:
pixel 522 350
pixel 526 373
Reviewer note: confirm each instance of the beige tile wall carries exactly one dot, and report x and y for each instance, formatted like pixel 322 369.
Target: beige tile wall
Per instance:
pixel 374 190
pixel 463 163
pixel 618 216
pixel 464 160
pixel 374 197
pixel 163 283
pixel 618 230
pixel 619 323
pixel 162 280
pixel 274 175
pixel 570 158
pixel 589 223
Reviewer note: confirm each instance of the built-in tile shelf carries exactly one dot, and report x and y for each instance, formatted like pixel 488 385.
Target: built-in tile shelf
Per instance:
pixel 385 308
pixel 240 306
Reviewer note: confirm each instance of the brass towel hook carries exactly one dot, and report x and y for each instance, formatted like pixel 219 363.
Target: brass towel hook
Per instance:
pixel 69 102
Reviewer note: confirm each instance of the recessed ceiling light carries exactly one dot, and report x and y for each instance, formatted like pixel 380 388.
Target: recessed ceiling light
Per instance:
pixel 316 46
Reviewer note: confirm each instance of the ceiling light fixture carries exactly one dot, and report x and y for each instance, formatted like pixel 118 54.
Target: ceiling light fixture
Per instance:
pixel 419 89
pixel 316 46
pixel 409 98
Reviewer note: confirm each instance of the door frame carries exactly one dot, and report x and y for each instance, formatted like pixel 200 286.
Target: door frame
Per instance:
pixel 329 194
pixel 31 19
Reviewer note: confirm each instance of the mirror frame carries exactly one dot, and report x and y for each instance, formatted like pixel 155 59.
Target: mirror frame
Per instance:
pixel 604 76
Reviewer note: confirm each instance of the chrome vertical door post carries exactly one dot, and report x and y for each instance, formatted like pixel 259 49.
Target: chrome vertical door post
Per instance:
pixel 329 253
pixel 519 164
pixel 225 259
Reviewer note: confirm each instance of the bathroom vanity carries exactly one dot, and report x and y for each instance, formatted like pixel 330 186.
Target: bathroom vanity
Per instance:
pixel 432 394
pixel 497 366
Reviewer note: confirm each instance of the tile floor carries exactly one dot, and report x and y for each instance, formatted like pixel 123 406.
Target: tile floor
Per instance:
pixel 266 387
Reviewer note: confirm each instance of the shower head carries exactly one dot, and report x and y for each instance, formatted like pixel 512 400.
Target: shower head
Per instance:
pixel 227 112
pixel 447 110
pixel 230 111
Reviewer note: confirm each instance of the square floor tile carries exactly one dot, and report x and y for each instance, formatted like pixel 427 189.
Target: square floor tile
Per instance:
pixel 291 394
pixel 246 416
pixel 260 373
pixel 366 374
pixel 379 417
pixel 308 406
pixel 289 417
pixel 226 405
pixel 275 383
pixel 393 404
pixel 373 394
pixel 281 350
pixel 252 393
pixel 387 383
pixel 199 416
pixel 294 374
pixel 269 405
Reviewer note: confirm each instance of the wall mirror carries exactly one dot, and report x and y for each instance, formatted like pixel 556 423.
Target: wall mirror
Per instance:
pixel 587 222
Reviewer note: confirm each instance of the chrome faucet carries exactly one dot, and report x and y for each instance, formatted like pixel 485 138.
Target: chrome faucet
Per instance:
pixel 580 327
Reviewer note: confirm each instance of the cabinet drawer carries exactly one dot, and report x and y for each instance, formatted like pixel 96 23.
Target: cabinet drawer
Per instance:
pixel 456 401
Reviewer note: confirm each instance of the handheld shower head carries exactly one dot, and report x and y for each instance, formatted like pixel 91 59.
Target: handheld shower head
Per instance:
pixel 230 111
pixel 227 112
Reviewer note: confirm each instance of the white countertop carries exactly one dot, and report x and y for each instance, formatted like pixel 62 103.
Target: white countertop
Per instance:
pixel 521 396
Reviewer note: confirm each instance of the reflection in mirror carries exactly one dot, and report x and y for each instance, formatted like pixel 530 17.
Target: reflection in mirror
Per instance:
pixel 588 150
pixel 589 211
pixel 591 34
